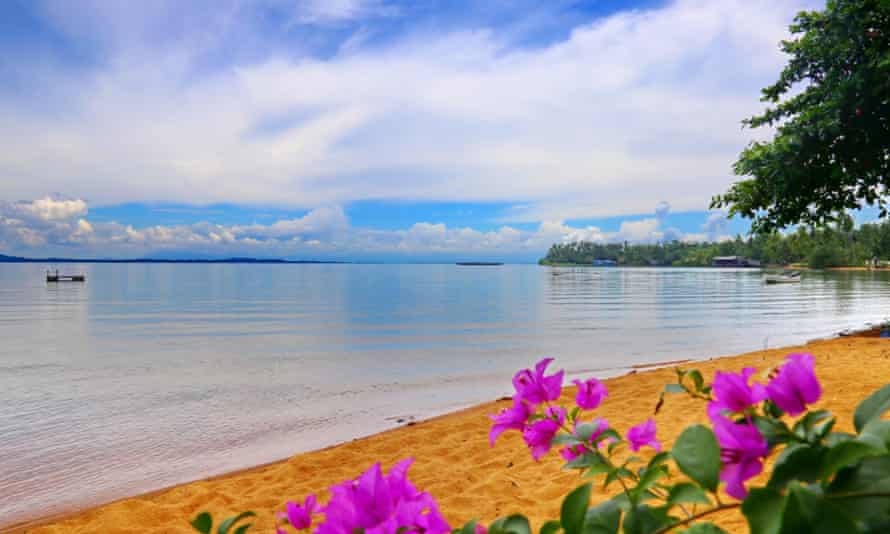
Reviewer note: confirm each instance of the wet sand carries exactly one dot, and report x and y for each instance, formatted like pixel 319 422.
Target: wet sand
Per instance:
pixel 455 463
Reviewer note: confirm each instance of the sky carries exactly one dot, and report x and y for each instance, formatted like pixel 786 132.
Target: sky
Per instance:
pixel 373 129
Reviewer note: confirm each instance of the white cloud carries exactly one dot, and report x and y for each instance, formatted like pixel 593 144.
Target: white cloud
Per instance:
pixel 322 232
pixel 335 11
pixel 630 110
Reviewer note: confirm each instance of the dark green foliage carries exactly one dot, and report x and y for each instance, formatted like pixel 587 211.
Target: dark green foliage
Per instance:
pixel 830 246
pixel 831 110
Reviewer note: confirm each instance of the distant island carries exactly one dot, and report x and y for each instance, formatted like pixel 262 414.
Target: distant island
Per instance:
pixel 840 245
pixel 19 259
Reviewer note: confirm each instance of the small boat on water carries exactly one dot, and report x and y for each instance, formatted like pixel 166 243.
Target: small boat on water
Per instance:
pixel 792 277
pixel 56 277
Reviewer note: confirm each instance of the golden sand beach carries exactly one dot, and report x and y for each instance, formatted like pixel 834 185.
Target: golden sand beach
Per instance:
pixel 455 463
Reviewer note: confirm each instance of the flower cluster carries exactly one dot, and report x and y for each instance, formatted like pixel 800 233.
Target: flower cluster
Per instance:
pixel 837 475
pixel 540 421
pixel 742 445
pixel 373 503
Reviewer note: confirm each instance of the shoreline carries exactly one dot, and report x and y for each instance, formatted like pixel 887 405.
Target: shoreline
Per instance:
pixel 264 488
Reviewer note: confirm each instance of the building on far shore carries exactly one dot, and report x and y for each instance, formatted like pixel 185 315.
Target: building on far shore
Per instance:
pixel 604 263
pixel 734 261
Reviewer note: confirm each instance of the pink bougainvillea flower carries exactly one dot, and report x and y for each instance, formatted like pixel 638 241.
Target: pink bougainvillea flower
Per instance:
pixel 742 449
pixel 534 387
pixel 539 434
pixel 570 453
pixel 591 393
pixel 300 517
pixel 481 529
pixel 795 385
pixel 381 505
pixel 733 393
pixel 513 418
pixel 643 435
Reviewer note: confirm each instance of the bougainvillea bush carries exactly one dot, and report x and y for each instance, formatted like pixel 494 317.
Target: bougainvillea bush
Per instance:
pixel 822 481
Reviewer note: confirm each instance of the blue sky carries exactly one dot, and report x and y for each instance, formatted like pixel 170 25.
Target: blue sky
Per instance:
pixel 373 129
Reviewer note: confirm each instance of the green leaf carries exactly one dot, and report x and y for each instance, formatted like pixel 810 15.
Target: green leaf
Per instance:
pixel 566 440
pixel 696 378
pixel 697 454
pixel 606 434
pixel 807 510
pixel 585 430
pixel 846 453
pixel 588 459
pixel 643 519
pixel 574 413
pixel 551 527
pixel 230 522
pixel 598 470
pixel 877 434
pixel 659 459
pixel 838 437
pixel 574 508
pixel 872 475
pixel 703 528
pixel 773 430
pixel 468 528
pixel 804 427
pixel 798 462
pixel 763 508
pixel 604 518
pixel 203 523
pixel 801 510
pixel 674 388
pixel 648 478
pixel 687 492
pixel 243 528
pixel 872 407
pixel 512 524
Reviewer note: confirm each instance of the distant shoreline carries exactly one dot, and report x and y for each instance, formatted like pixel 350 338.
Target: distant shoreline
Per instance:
pixel 18 259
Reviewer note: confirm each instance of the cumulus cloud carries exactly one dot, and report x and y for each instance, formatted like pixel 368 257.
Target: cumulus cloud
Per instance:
pixel 50 226
pixel 716 225
pixel 623 112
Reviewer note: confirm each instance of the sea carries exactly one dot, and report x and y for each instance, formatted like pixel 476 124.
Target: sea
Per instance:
pixel 150 375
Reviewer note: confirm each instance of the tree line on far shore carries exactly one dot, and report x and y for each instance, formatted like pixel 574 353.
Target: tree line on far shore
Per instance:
pixel 837 245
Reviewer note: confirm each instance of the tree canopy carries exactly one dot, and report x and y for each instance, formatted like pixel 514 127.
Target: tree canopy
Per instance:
pixel 833 245
pixel 831 110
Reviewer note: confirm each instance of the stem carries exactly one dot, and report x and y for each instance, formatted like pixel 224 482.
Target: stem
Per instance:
pixel 699 515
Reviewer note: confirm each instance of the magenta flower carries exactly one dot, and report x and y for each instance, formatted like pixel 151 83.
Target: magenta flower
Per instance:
pixel 742 448
pixel 591 393
pixel 540 433
pixel 796 384
pixel 513 418
pixel 300 517
pixel 480 529
pixel 381 505
pixel 643 435
pixel 733 393
pixel 570 453
pixel 534 387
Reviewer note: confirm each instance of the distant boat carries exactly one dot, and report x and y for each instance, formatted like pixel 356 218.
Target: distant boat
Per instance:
pixel 604 263
pixel 783 278
pixel 480 263
pixel 56 277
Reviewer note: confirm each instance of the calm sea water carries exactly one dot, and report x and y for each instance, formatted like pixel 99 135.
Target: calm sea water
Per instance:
pixel 150 375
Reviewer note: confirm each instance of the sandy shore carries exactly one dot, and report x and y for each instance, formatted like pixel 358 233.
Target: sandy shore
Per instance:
pixel 455 463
